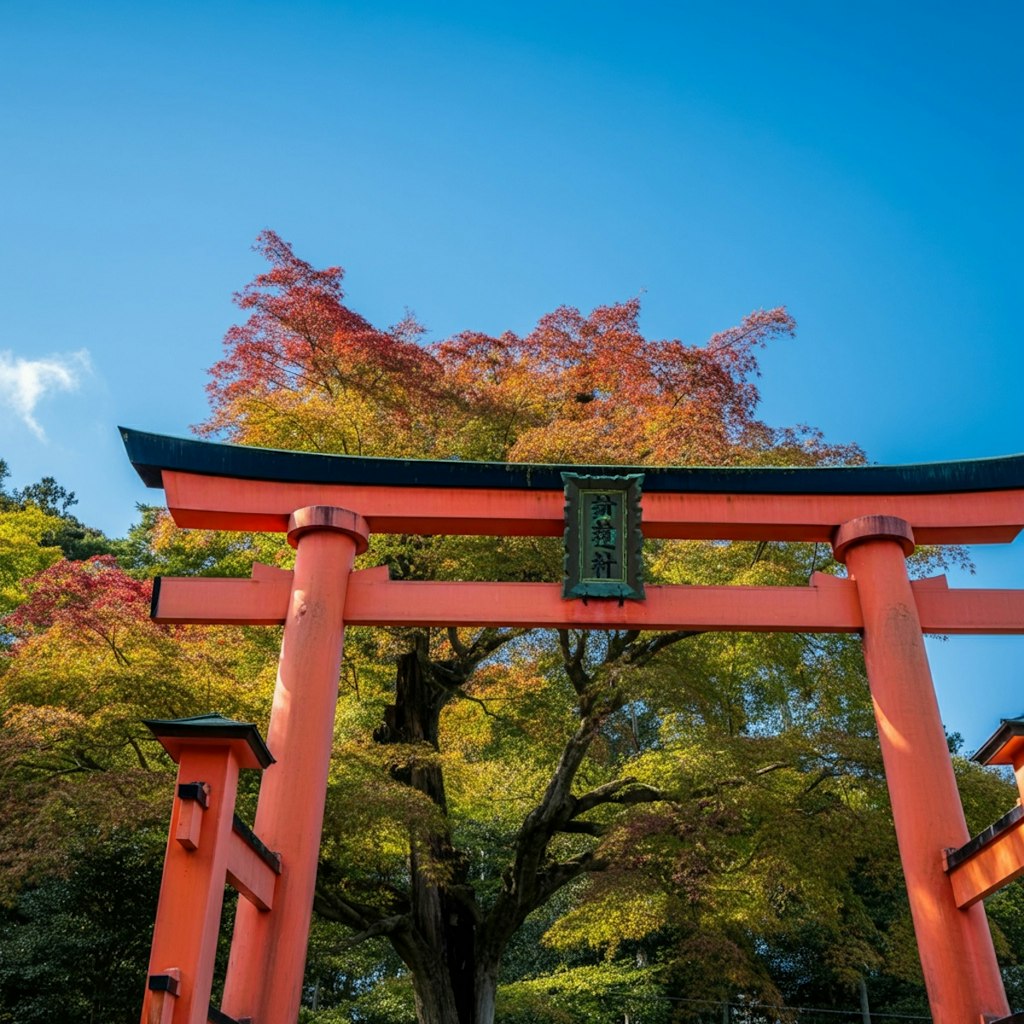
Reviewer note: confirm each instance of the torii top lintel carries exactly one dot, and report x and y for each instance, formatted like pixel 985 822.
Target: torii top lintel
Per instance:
pixel 231 487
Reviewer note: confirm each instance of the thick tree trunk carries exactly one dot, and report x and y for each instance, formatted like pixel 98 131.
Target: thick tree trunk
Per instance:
pixel 445 989
pixel 486 990
pixel 435 1001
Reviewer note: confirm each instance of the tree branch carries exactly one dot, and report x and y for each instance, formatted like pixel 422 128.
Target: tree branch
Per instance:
pixel 586 828
pixel 618 642
pixel 573 661
pixel 552 878
pixel 361 916
pixel 138 753
pixel 460 649
pixel 616 793
pixel 462 695
pixel 641 653
pixel 385 926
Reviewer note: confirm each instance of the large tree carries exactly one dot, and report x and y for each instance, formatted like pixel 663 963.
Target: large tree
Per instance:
pixel 509 766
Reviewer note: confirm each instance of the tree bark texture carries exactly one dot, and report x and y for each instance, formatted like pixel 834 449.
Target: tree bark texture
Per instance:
pixel 440 919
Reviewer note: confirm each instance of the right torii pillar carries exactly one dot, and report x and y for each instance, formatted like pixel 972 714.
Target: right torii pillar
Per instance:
pixel 960 970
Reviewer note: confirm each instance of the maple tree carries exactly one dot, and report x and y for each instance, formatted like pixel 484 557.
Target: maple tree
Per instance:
pixel 509 768
pixel 306 372
pixel 86 788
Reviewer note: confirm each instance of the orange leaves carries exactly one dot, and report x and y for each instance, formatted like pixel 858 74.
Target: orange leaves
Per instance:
pixel 302 342
pixel 594 389
pixel 307 372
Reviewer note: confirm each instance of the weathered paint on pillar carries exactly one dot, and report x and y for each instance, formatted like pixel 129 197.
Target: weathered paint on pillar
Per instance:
pixel 192 890
pixel 955 946
pixel 268 951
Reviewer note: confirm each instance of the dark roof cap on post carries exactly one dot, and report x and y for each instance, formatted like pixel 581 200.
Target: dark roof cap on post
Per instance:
pixel 175 734
pixel 1004 745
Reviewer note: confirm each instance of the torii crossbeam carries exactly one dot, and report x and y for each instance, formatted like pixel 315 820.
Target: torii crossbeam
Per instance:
pixel 328 505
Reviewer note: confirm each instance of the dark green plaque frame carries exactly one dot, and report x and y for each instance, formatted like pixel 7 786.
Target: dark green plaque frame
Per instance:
pixel 603 540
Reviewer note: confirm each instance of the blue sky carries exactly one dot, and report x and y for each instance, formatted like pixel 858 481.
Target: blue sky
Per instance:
pixel 481 164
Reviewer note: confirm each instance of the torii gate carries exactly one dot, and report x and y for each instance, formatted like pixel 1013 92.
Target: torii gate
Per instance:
pixel 328 505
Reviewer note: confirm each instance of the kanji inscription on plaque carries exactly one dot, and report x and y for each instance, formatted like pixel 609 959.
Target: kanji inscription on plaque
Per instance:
pixel 603 542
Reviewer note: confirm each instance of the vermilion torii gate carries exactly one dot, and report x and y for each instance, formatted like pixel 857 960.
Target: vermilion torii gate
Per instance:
pixel 328 505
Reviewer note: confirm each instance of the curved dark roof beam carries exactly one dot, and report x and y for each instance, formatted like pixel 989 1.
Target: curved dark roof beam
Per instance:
pixel 151 454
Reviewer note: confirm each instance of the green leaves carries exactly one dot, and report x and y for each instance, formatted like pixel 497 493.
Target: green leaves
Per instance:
pixel 604 993
pixel 23 552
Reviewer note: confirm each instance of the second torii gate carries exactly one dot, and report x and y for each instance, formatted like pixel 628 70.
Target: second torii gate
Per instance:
pixel 328 506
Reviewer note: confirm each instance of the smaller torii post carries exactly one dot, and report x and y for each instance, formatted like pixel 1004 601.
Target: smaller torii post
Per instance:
pixel 994 857
pixel 208 846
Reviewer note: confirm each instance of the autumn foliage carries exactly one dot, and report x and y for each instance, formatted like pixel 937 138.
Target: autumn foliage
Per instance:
pixel 521 731
pixel 305 372
pixel 82 666
pixel 94 596
pixel 303 360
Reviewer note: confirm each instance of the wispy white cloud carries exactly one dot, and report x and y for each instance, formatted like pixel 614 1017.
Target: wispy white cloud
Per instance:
pixel 24 382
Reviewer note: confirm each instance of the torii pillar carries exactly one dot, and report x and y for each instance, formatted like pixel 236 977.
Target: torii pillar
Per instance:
pixel 955 946
pixel 268 950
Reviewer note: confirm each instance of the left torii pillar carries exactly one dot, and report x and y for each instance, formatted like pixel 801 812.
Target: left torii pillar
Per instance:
pixel 268 950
